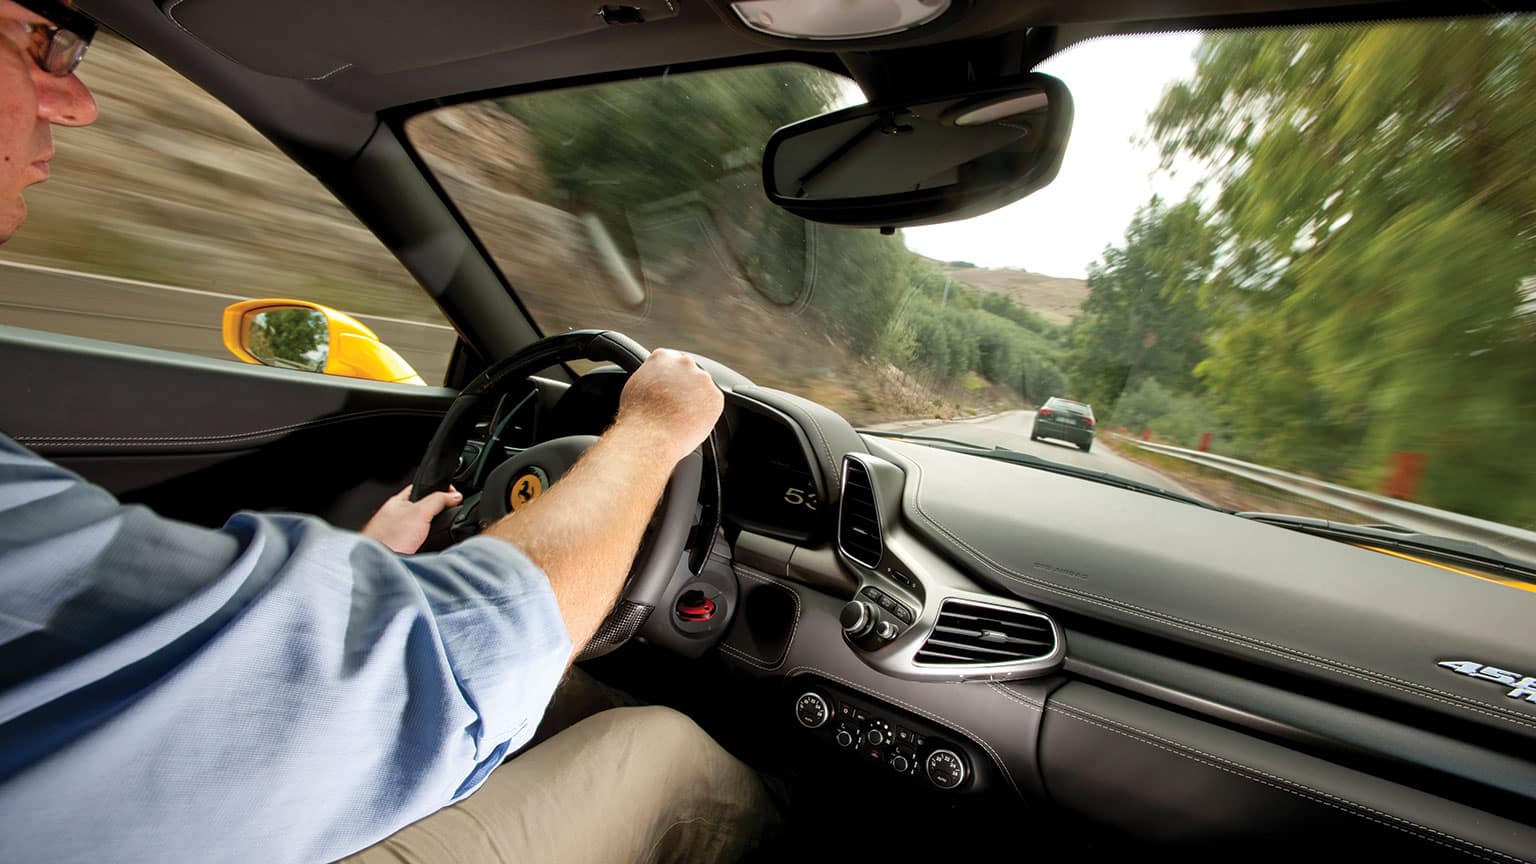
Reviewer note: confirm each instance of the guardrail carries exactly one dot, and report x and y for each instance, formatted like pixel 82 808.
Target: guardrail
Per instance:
pixel 1406 514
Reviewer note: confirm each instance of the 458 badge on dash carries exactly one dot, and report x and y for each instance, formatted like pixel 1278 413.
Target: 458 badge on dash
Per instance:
pixel 1524 685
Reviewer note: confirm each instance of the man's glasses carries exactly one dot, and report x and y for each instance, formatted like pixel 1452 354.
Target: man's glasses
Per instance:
pixel 60 45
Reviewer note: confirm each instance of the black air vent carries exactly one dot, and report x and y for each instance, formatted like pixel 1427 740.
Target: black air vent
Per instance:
pixel 973 633
pixel 858 529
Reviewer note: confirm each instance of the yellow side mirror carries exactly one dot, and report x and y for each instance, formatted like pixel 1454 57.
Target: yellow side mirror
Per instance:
pixel 297 334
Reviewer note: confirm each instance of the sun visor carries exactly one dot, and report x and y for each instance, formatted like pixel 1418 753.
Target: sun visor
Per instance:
pixel 318 38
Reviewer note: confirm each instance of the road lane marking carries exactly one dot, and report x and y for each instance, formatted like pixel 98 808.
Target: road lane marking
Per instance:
pixel 139 283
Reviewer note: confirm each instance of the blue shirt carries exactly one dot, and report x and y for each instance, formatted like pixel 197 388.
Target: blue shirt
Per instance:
pixel 277 690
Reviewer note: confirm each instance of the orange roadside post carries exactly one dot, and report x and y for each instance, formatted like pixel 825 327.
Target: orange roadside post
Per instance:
pixel 1404 471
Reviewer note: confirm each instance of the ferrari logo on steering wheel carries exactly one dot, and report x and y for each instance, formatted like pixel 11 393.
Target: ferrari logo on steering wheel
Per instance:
pixel 525 490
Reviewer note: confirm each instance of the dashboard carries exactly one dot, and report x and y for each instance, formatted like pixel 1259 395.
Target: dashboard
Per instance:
pixel 768 484
pixel 977 628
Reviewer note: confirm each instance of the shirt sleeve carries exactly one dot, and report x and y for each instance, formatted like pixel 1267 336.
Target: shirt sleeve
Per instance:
pixel 278 689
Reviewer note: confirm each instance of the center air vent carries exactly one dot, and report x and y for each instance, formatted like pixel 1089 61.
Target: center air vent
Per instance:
pixel 858 524
pixel 970 633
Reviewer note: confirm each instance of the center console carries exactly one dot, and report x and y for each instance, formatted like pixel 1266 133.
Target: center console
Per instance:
pixel 885 739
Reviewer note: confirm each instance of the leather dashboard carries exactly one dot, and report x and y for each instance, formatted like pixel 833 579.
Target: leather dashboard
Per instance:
pixel 1317 608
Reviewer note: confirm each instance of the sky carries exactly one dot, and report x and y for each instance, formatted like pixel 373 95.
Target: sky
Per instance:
pixel 1104 176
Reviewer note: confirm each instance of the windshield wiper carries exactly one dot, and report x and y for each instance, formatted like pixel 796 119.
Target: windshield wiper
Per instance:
pixel 1445 549
pixel 1014 456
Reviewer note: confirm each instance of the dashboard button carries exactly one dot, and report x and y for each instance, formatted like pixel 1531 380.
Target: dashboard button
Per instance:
pixel 874 594
pixel 903 613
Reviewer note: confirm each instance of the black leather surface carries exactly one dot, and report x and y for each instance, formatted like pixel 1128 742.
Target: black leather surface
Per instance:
pixel 64 395
pixel 829 434
pixel 1198 790
pixel 198 439
pixel 1313 607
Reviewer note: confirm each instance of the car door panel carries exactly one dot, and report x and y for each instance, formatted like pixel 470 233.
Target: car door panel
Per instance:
pixel 198 439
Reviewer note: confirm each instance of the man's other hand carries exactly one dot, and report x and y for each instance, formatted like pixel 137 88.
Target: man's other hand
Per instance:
pixel 402 524
pixel 673 398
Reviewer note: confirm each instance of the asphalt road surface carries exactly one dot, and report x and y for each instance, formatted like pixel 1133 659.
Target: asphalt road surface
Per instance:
pixel 1011 430
pixel 188 320
pixel 176 319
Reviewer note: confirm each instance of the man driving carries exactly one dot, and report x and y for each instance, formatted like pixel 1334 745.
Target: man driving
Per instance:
pixel 283 690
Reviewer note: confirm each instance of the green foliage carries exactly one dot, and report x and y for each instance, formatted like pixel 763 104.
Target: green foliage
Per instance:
pixel 292 338
pixel 1374 209
pixel 1178 417
pixel 1143 318
pixel 650 149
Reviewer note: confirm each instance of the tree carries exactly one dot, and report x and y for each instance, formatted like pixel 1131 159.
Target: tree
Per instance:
pixel 1374 191
pixel 1143 318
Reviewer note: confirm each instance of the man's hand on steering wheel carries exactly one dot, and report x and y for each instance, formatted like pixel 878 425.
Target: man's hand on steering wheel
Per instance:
pixel 579 505
pixel 671 395
pixel 403 524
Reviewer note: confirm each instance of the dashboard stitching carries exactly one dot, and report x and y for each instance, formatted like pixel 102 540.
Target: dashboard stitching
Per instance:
pixel 1285 785
pixel 1287 652
pixel 1009 694
pixel 831 464
pixel 147 440
pixel 916 710
pixel 794 628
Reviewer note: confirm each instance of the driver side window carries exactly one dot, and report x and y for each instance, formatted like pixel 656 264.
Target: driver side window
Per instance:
pixel 171 209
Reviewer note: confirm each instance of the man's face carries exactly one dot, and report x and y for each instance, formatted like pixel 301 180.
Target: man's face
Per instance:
pixel 31 100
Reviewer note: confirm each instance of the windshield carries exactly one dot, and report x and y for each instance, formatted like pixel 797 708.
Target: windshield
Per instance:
pixel 1282 270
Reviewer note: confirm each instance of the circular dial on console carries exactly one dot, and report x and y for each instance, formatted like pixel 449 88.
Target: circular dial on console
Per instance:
pixel 945 769
pixel 857 618
pixel 811 710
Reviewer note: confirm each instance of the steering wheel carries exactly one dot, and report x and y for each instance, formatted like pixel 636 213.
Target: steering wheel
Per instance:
pixel 523 478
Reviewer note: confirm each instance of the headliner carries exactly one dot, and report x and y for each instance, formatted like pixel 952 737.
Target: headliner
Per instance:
pixel 318 73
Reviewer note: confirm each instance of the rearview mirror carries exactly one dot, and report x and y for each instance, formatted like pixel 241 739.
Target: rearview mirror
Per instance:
pixel 936 160
pixel 296 334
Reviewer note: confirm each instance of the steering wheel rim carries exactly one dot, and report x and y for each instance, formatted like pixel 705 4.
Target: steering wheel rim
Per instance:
pixel 657 560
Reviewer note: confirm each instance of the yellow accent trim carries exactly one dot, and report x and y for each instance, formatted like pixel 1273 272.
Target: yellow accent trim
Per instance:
pixel 1500 580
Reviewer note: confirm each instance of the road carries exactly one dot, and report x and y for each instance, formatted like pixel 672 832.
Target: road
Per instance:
pixel 1011 430
pixel 188 320
pixel 173 318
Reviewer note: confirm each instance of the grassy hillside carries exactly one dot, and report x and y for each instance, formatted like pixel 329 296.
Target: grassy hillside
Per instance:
pixel 1056 299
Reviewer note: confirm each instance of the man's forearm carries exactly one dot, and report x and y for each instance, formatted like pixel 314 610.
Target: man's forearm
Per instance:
pixel 585 530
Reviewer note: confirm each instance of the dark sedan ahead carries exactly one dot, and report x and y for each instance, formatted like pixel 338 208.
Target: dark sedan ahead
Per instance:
pixel 1065 420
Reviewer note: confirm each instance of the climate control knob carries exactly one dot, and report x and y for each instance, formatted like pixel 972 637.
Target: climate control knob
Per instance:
pixel 876 737
pixel 844 739
pixel 858 618
pixel 812 710
pixel 945 769
pixel 899 764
